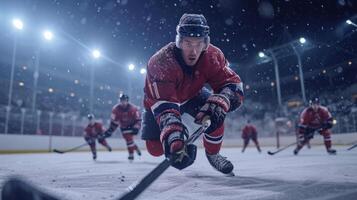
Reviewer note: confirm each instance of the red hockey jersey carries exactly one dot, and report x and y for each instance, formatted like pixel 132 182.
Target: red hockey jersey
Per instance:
pixel 168 81
pixel 94 130
pixel 126 117
pixel 248 130
pixel 314 119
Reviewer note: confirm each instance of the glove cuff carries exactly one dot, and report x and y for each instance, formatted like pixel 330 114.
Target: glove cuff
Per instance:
pixel 220 100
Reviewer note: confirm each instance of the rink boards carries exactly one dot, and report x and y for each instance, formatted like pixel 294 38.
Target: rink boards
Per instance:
pixel 13 143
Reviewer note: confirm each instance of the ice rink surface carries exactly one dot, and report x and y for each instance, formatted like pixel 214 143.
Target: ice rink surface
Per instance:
pixel 313 175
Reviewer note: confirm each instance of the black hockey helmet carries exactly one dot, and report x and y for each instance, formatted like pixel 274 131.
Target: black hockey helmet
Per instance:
pixel 123 97
pixel 192 25
pixel 314 101
pixel 90 116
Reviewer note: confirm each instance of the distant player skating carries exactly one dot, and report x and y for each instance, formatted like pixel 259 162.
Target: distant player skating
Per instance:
pixel 315 118
pixel 249 132
pixel 128 118
pixel 93 132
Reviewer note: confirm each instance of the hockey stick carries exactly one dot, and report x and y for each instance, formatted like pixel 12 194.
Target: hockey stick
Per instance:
pixel 69 150
pixel 138 187
pixel 292 144
pixel 352 147
pixel 281 149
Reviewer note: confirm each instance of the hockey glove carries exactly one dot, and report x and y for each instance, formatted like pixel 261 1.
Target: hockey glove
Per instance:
pixel 308 132
pixel 135 129
pixel 108 132
pixel 173 133
pixel 180 155
pixel 216 108
pixel 327 125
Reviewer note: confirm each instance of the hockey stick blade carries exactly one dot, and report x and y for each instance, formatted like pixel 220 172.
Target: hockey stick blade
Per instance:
pixel 277 151
pixel 137 188
pixel 69 150
pixel 352 147
pixel 58 151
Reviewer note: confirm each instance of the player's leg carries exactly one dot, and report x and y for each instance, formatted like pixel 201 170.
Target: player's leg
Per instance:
pixel 308 144
pixel 103 142
pixel 91 142
pixel 131 132
pixel 300 143
pixel 130 144
pixel 255 140
pixel 327 141
pixel 151 134
pixel 212 139
pixel 245 144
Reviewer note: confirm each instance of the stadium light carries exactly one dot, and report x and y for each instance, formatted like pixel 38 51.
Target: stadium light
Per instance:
pixel 142 71
pixel 349 22
pixel 17 23
pixel 302 40
pixel 96 53
pixel 261 54
pixel 48 35
pixel 131 67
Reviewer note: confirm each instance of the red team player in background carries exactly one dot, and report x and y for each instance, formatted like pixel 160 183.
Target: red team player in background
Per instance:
pixel 127 116
pixel 174 85
pixel 315 118
pixel 92 132
pixel 249 132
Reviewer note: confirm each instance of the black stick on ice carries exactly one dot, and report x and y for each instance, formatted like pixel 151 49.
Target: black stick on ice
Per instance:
pixel 138 187
pixel 69 150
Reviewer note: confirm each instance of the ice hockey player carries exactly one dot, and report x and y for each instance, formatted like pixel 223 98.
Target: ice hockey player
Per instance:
pixel 92 132
pixel 315 118
pixel 174 85
pixel 249 132
pixel 127 116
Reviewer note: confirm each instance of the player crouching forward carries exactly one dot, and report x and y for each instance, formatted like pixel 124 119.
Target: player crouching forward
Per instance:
pixel 127 116
pixel 92 132
pixel 174 85
pixel 315 118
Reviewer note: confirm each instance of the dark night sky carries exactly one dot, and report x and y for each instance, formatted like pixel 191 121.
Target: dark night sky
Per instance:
pixel 131 31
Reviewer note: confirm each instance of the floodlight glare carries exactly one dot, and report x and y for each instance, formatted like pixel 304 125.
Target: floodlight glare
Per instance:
pixel 17 24
pixel 48 35
pixel 302 40
pixel 96 53
pixel 142 71
pixel 348 21
pixel 131 67
pixel 261 55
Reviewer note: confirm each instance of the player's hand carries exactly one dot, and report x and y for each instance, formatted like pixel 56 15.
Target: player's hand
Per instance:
pixel 102 136
pixel 180 154
pixel 216 108
pixel 327 125
pixel 135 129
